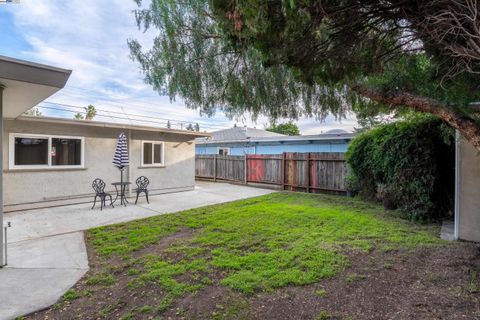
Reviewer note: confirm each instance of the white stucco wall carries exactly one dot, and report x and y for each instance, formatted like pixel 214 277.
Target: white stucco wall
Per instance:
pixel 44 187
pixel 467 217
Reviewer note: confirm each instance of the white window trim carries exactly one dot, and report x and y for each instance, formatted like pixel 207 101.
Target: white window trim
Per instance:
pixel 49 166
pixel 223 148
pixel 162 156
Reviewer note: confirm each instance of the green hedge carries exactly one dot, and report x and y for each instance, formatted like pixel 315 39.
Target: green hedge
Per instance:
pixel 408 165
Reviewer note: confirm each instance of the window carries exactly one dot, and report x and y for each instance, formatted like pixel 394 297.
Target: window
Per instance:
pixel 66 152
pixel 152 153
pixel 41 151
pixel 224 151
pixel 31 151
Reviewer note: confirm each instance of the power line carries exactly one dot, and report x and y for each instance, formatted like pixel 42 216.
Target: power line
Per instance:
pixel 163 123
pixel 113 102
pixel 204 124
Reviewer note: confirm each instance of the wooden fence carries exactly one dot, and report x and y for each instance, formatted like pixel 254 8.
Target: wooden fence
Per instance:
pixel 308 172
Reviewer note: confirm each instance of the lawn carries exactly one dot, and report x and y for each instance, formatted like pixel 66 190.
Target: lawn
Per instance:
pixel 284 255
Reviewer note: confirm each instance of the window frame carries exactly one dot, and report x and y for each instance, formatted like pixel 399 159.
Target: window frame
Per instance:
pixel 223 148
pixel 162 155
pixel 48 166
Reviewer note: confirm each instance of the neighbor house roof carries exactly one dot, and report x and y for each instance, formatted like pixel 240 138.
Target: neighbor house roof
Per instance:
pixel 25 84
pixel 262 136
pixel 92 123
pixel 238 134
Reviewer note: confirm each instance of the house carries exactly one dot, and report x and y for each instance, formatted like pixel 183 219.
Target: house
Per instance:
pixel 467 191
pixel 53 161
pixel 243 140
pixel 23 84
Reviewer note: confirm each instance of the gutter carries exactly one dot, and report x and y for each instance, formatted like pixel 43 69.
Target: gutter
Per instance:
pixel 109 125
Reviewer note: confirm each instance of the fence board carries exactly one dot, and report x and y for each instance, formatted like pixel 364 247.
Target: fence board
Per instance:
pixel 307 172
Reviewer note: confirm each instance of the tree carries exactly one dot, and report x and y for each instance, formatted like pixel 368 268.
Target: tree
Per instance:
pixel 197 127
pixel 168 124
pixel 190 127
pixel 313 58
pixel 34 112
pixel 288 128
pixel 78 116
pixel 90 112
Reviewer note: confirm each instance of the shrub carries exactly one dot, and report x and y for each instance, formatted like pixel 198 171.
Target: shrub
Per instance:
pixel 407 164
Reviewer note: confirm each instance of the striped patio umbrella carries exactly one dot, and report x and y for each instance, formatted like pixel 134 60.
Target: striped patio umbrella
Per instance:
pixel 120 159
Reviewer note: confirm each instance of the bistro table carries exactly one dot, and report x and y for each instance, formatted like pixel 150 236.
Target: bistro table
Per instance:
pixel 120 188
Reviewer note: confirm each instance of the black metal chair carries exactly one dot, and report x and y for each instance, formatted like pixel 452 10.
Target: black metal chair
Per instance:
pixel 142 184
pixel 99 186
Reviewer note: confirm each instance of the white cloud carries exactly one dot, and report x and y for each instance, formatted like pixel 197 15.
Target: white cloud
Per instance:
pixel 90 37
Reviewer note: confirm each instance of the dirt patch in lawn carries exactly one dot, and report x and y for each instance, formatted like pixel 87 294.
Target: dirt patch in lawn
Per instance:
pixel 433 283
pixel 160 246
pixel 427 283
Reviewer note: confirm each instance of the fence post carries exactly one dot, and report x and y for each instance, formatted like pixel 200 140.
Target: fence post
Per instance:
pixel 308 172
pixel 245 168
pixel 215 167
pixel 283 170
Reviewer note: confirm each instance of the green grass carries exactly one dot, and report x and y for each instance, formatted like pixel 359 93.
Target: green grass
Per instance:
pixel 353 278
pixel 323 315
pixel 71 295
pixel 321 293
pixel 102 279
pixel 258 244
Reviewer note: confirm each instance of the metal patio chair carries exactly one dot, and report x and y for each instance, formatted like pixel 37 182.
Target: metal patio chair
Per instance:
pixel 99 186
pixel 142 184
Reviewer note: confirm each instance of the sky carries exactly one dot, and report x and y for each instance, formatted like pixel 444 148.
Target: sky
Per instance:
pixel 89 37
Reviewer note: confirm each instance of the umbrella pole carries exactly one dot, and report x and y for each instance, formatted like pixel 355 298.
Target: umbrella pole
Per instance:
pixel 121 187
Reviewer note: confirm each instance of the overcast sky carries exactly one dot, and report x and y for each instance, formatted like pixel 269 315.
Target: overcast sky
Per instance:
pixel 90 38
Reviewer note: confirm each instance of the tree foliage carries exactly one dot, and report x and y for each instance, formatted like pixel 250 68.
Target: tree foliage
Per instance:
pixel 408 164
pixel 287 128
pixel 89 114
pixel 33 112
pixel 296 58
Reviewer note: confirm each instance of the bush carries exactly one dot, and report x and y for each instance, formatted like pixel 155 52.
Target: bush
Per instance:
pixel 407 164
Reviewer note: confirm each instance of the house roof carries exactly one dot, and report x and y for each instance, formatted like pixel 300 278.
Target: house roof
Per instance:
pixel 238 134
pixel 336 131
pixel 101 124
pixel 25 84
pixel 283 138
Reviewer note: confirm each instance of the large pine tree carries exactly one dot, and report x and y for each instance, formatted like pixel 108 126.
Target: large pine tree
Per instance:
pixel 291 58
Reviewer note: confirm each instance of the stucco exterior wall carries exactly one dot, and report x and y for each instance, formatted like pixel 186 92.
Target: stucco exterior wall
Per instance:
pixel 179 159
pixel 45 187
pixel 467 218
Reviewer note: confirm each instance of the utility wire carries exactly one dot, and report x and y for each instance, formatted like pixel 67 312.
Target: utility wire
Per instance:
pixel 162 123
pixel 205 124
pixel 115 103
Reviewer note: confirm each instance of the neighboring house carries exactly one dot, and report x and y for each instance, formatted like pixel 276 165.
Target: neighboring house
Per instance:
pixel 53 161
pixel 243 140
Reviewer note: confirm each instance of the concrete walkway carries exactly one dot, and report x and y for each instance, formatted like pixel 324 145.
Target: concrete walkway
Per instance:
pixel 47 254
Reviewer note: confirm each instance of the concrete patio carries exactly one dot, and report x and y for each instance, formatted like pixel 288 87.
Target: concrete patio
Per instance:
pixel 47 253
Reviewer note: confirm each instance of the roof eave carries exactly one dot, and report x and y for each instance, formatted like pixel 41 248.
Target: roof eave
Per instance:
pixel 34 73
pixel 53 120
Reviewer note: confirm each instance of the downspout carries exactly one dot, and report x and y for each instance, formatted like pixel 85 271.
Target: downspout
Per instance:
pixel 2 235
pixel 130 186
pixel 458 181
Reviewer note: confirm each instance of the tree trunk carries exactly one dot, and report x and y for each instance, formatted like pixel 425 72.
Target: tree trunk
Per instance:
pixel 469 128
